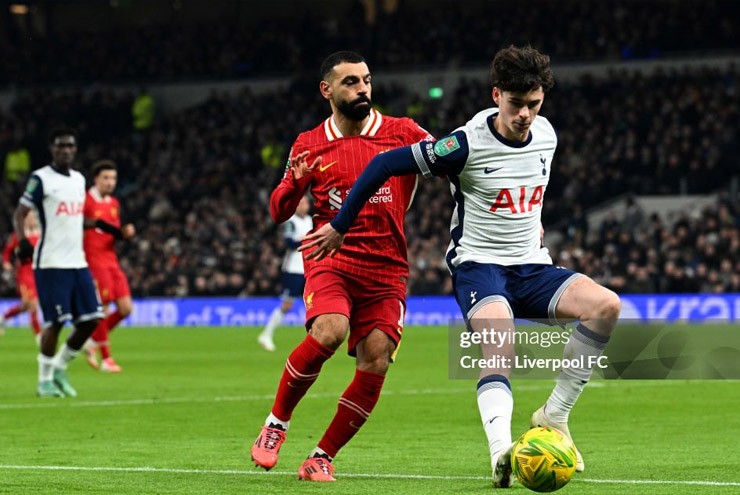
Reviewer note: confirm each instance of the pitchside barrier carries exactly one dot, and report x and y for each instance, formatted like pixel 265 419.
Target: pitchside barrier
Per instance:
pixel 421 310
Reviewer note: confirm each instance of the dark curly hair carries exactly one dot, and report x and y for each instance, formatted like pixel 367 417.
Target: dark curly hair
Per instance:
pixel 521 69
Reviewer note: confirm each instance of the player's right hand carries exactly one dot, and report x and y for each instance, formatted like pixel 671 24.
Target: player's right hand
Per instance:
pixel 24 251
pixel 299 165
pixel 128 231
pixel 326 240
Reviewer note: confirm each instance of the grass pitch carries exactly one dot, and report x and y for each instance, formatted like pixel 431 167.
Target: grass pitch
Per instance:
pixel 190 401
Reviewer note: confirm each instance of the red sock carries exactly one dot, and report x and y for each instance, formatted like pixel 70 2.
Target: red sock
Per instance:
pixel 301 370
pixel 355 406
pixel 100 334
pixel 104 349
pixel 35 325
pixel 113 319
pixel 15 310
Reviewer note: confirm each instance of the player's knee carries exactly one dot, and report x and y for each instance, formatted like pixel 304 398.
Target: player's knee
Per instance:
pixel 609 306
pixel 124 307
pixel 374 352
pixel 376 360
pixel 330 330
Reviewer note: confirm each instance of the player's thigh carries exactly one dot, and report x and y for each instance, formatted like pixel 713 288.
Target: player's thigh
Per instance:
pixel 54 287
pixel 103 283
pixel 328 306
pixel 584 299
pixel 293 285
pixel 85 303
pixel 381 308
pixel 121 291
pixel 537 290
pixel 27 286
pixel 477 286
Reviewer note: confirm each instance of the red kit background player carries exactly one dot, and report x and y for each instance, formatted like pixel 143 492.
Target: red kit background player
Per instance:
pixel 24 281
pixel 363 287
pixel 111 282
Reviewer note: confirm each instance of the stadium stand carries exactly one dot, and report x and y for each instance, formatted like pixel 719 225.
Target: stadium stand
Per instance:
pixel 197 181
pixel 398 37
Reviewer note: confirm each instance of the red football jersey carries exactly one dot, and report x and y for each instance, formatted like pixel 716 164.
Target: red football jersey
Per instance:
pixel 13 243
pixel 100 246
pixel 375 246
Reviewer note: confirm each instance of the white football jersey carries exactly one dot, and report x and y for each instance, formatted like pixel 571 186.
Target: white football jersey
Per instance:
pixel 294 229
pixel 59 200
pixel 498 186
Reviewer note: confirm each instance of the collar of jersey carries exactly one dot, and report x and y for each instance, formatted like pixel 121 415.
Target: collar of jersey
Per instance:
pixel 97 196
pixel 370 129
pixel 507 142
pixel 55 169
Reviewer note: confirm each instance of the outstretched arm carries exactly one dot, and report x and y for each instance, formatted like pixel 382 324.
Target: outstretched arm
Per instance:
pixel 329 237
pixel 445 157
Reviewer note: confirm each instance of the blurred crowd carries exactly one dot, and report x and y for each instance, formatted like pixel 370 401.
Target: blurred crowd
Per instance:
pixel 196 183
pixel 693 251
pixel 407 35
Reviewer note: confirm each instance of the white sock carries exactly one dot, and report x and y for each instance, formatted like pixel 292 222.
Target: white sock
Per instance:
pixel 317 452
pixel 571 381
pixel 46 368
pixel 64 356
pixel 496 403
pixel 275 318
pixel 272 419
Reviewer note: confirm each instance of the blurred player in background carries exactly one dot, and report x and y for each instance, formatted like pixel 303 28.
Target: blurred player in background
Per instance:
pixel 65 287
pixel 363 288
pixel 24 282
pixel 100 252
pixel 294 229
pixel 499 165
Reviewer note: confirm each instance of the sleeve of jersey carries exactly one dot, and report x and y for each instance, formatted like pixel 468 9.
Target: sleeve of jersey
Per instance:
pixel 88 210
pixel 34 193
pixel 286 196
pixel 444 157
pixel 399 161
pixel 9 247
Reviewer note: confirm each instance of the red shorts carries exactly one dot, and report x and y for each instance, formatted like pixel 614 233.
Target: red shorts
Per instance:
pixel 25 283
pixel 111 282
pixel 367 304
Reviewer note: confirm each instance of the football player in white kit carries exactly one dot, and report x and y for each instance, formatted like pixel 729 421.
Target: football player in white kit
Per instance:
pixel 65 287
pixel 499 164
pixel 294 229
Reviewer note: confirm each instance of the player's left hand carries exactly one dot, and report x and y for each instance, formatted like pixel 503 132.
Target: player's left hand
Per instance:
pixel 128 231
pixel 327 242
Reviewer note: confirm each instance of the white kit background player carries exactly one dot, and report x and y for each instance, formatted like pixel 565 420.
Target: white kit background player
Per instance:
pixel 65 287
pixel 294 229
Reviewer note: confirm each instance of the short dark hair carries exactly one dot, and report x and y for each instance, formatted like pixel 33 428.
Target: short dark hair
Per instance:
pixel 102 165
pixel 339 58
pixel 61 132
pixel 521 69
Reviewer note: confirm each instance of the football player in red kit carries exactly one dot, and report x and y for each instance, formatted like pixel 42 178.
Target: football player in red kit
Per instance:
pixel 24 282
pixel 112 284
pixel 361 290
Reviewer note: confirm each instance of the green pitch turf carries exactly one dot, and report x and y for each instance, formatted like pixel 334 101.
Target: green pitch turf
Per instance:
pixel 184 412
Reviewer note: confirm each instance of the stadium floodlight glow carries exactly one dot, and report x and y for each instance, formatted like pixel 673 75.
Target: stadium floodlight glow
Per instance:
pixel 436 92
pixel 19 9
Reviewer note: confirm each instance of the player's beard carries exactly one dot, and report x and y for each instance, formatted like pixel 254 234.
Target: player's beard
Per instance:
pixel 353 110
